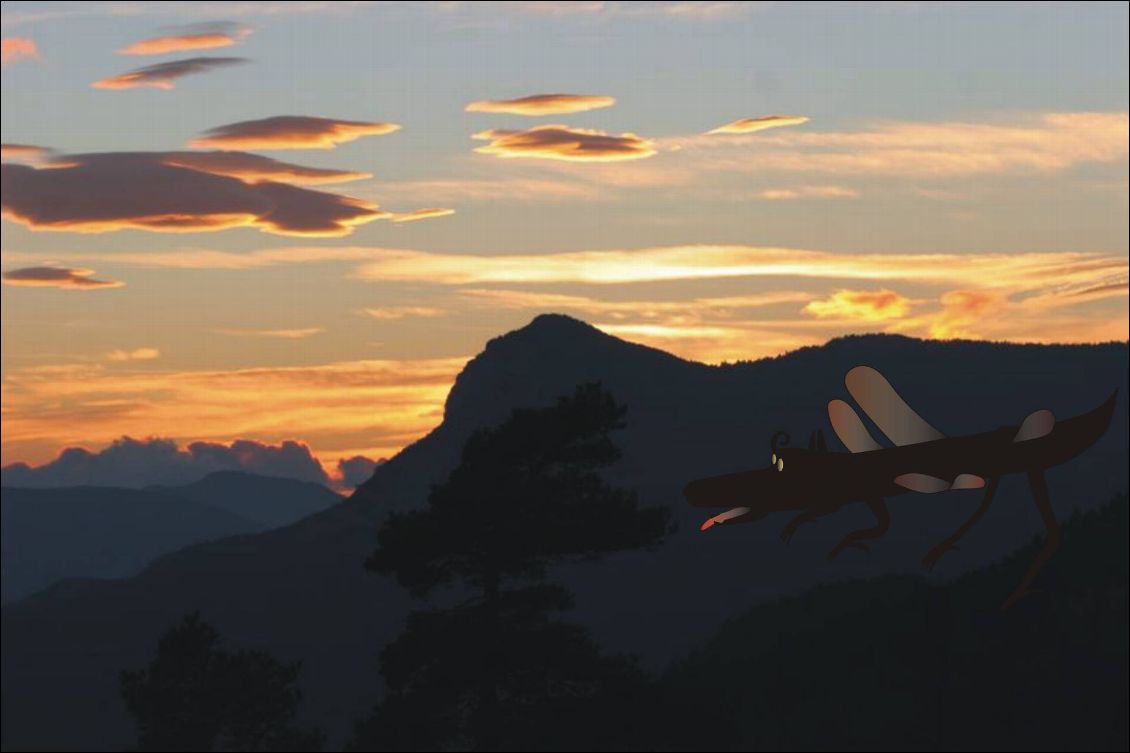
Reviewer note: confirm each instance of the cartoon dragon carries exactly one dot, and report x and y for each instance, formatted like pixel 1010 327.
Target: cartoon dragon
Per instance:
pixel 816 482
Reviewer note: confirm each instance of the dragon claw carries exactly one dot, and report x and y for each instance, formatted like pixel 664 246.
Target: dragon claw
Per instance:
pixel 794 525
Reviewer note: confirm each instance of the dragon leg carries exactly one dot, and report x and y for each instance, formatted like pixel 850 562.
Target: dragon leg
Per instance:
pixel 936 553
pixel 853 539
pixel 1044 505
pixel 808 516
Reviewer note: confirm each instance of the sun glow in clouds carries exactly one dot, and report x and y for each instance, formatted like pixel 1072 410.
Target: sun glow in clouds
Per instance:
pixel 861 305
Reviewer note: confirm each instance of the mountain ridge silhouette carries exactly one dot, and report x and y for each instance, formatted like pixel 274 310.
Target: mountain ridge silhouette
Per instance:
pixel 300 591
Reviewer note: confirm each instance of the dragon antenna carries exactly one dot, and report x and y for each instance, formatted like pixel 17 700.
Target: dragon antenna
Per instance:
pixel 780 439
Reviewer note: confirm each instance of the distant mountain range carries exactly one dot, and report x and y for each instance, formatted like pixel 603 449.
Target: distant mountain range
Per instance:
pixel 269 501
pixel 301 593
pixel 111 532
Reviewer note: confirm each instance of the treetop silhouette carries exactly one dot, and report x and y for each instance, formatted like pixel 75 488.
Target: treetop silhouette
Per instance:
pixel 498 671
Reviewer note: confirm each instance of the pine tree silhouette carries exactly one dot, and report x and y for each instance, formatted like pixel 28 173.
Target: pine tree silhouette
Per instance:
pixel 497 671
pixel 194 696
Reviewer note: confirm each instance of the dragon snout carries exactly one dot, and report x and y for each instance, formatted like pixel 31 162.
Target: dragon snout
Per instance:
pixel 731 490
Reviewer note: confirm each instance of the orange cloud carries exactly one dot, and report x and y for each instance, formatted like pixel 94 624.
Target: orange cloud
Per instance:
pixel 14 49
pixel 703 262
pixel 1015 297
pixel 290 132
pixel 66 278
pixel 23 152
pixel 283 334
pixel 1066 271
pixel 387 313
pixel 712 335
pixel 1076 310
pixel 807 192
pixel 558 142
pixel 164 75
pixel 92 404
pixel 420 214
pixel 861 305
pixel 752 125
pixel 196 37
pixel 712 329
pixel 677 310
pixel 1102 290
pixel 1034 143
pixel 960 309
pixel 542 104
pixel 1041 296
pixel 94 193
pixel 137 354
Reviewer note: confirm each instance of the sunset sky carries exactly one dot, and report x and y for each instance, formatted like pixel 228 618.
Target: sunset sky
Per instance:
pixel 297 220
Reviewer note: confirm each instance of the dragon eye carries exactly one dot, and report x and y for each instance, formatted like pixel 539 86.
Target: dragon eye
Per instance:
pixel 780 464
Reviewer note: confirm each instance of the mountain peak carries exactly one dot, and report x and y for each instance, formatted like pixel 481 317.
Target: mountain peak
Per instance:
pixel 554 326
pixel 541 361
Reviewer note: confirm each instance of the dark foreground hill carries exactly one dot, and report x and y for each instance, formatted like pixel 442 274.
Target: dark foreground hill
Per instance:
pixel 111 532
pixel 896 663
pixel 300 591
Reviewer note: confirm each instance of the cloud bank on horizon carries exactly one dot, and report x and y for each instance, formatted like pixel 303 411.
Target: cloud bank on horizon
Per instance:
pixel 137 463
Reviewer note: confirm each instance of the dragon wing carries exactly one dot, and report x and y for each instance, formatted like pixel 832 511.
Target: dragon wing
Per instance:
pixel 901 424
pixel 849 428
pixel 884 405
pixel 887 409
pixel 1036 425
